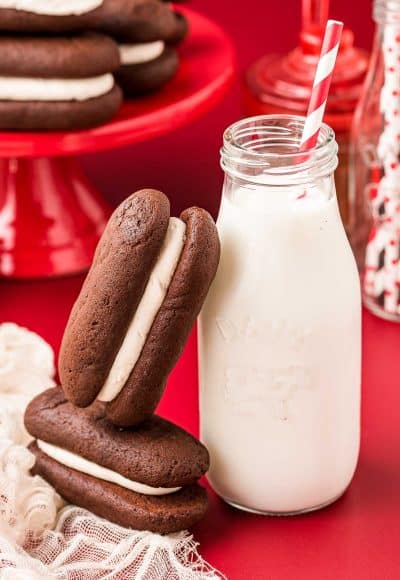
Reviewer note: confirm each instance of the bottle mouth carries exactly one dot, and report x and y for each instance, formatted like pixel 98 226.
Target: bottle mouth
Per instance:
pixel 266 149
pixel 387 11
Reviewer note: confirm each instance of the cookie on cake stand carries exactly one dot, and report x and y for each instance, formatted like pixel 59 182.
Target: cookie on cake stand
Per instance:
pixel 52 216
pixel 148 54
pixel 58 82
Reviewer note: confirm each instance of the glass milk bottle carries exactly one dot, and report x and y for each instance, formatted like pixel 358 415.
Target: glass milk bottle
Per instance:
pixel 280 332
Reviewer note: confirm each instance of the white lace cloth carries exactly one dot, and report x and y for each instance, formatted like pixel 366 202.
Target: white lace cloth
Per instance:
pixel 39 538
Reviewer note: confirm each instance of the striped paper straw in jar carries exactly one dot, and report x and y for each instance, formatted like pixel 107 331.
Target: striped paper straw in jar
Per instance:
pixel 322 82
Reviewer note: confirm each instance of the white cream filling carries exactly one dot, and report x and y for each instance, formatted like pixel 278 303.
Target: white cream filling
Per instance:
pixel 52 7
pixel 38 89
pixel 78 463
pixel 150 304
pixel 139 53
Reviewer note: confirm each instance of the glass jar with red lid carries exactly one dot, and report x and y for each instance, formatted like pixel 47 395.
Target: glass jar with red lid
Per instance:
pixel 281 84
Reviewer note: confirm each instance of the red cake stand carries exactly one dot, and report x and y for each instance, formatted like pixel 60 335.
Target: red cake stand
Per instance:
pixel 51 216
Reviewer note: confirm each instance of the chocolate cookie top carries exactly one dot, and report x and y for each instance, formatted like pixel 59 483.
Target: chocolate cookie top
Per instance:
pixel 12 20
pixel 156 453
pixel 126 20
pixel 81 56
pixel 46 16
pixel 111 293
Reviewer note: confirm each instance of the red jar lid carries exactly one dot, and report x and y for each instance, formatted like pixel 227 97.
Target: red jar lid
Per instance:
pixel 284 82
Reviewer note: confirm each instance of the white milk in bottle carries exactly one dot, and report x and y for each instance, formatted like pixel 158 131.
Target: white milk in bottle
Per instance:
pixel 280 333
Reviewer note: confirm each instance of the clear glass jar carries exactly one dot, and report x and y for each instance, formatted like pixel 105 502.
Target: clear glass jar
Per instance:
pixel 280 332
pixel 375 169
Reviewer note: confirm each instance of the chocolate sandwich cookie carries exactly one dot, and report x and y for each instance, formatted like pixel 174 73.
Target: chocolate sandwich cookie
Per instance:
pixel 129 325
pixel 124 19
pixel 144 478
pixel 57 82
pixel 148 60
pixel 145 68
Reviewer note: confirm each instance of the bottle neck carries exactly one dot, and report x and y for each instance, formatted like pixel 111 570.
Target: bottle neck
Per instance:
pixel 265 151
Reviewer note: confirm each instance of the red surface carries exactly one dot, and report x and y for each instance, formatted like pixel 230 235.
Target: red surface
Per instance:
pixel 51 216
pixel 355 539
pixel 359 537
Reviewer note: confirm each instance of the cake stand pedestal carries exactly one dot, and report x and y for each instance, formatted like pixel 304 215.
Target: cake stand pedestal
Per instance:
pixel 51 216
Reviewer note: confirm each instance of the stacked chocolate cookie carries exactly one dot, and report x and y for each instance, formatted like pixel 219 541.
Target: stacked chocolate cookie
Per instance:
pixel 57 82
pixel 58 59
pixel 98 441
pixel 54 74
pixel 149 58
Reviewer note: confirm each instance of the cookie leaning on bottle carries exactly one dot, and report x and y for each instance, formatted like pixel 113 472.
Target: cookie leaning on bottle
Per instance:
pixel 149 278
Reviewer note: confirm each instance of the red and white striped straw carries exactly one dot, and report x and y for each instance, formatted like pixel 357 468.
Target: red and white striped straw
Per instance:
pixel 322 82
